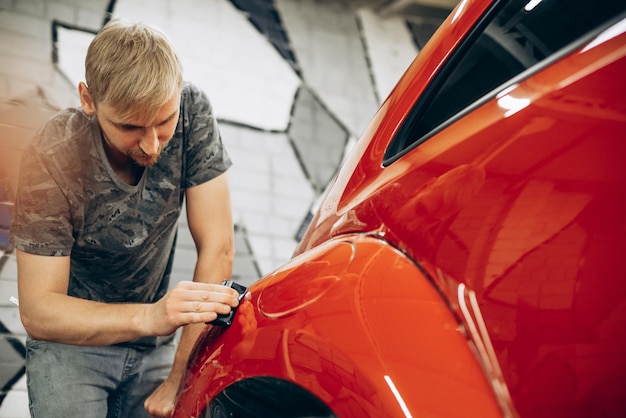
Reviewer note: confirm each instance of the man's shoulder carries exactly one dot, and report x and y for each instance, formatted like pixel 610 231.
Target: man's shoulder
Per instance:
pixel 63 128
pixel 192 95
pixel 189 88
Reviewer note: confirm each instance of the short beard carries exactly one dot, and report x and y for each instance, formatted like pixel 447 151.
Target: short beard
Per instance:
pixel 142 159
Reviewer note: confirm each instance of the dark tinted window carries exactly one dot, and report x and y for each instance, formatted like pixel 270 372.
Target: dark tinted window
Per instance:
pixel 514 36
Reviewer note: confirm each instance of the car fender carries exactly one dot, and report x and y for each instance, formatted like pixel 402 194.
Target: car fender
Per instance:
pixel 355 323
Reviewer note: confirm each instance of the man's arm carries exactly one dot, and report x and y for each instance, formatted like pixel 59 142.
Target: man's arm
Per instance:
pixel 210 221
pixel 48 313
pixel 209 216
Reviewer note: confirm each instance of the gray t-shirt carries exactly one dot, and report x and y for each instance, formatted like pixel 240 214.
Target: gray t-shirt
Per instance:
pixel 120 238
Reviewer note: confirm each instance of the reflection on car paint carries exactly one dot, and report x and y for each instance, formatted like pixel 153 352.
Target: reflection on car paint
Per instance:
pixel 485 217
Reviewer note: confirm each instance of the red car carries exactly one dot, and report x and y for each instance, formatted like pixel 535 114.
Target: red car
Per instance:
pixel 467 259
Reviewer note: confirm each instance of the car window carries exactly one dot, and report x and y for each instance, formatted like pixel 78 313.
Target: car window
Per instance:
pixel 514 36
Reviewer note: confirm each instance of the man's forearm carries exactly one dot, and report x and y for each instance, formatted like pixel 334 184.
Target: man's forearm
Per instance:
pixel 76 321
pixel 214 265
pixel 69 320
pixel 188 338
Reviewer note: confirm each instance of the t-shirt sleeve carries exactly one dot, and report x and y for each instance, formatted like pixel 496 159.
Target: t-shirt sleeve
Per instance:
pixel 41 215
pixel 205 155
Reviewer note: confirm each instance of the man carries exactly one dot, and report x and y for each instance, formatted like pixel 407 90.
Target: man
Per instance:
pixel 94 228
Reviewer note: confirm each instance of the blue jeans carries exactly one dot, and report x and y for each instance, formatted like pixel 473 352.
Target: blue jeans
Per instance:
pixel 67 381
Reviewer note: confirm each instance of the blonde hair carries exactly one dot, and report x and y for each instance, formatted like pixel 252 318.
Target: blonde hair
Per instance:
pixel 132 67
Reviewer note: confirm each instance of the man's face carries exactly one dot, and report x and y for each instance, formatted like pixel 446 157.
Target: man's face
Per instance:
pixel 135 137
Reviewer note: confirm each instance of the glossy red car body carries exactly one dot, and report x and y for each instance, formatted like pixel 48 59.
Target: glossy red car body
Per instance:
pixel 476 273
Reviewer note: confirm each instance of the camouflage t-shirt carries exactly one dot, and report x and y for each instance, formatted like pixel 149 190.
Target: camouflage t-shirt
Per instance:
pixel 120 238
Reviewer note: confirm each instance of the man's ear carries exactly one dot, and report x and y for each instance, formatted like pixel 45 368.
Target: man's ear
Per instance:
pixel 85 99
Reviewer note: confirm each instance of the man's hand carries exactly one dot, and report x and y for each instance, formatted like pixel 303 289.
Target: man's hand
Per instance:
pixel 161 403
pixel 189 303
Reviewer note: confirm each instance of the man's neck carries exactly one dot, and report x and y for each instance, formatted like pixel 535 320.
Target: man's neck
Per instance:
pixel 122 165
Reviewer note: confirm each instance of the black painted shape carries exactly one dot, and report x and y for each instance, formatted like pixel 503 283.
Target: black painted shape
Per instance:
pixel 12 355
pixel 265 18
pixel 108 13
pixel 56 24
pixel 318 138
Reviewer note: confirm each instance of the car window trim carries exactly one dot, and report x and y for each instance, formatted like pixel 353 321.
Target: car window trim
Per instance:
pixel 435 85
pixel 438 80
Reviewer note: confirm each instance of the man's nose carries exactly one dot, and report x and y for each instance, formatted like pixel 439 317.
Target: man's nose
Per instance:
pixel 150 141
